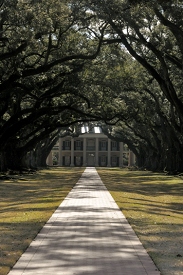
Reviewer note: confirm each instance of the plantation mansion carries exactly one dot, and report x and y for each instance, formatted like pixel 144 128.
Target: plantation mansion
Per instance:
pixel 90 148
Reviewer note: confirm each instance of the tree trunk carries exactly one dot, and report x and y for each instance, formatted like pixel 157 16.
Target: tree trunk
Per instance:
pixel 12 159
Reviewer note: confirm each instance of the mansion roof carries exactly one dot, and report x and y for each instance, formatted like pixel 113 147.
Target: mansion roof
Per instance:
pixel 94 130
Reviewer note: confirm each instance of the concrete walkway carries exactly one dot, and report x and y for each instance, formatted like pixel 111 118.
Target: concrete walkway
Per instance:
pixel 87 234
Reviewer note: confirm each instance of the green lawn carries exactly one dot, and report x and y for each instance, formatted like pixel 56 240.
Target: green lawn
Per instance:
pixel 153 205
pixel 26 203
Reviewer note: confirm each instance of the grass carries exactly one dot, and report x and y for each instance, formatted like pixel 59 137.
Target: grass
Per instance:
pixel 153 205
pixel 151 202
pixel 26 203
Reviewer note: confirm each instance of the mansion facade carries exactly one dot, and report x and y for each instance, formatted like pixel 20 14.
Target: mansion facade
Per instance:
pixel 91 148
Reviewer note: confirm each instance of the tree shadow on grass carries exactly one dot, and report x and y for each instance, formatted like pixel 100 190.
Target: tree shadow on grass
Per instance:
pixel 152 204
pixel 26 203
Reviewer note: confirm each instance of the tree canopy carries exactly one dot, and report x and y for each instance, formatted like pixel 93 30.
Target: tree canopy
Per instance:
pixel 65 62
pixel 44 47
pixel 151 31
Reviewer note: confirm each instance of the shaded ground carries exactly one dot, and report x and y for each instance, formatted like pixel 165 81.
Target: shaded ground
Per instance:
pixel 151 202
pixel 153 205
pixel 26 203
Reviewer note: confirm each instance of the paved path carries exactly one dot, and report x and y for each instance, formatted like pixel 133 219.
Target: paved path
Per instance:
pixel 87 235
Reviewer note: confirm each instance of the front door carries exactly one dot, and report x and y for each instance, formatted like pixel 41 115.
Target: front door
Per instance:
pixel 91 160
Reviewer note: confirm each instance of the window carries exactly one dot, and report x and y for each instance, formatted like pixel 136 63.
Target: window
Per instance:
pixel 103 145
pixel 113 158
pixel 103 159
pixel 67 145
pixel 114 161
pixel 90 145
pixel 78 161
pixel 114 146
pixel 78 145
pixel 67 160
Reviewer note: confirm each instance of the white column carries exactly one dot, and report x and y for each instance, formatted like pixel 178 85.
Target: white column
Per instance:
pixel 109 153
pixel 131 158
pixel 96 152
pixel 60 152
pixel 72 152
pixel 84 151
pixel 50 159
pixel 121 154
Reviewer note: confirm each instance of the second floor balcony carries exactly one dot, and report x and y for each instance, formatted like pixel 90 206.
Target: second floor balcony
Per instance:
pixel 90 148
